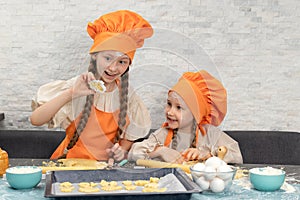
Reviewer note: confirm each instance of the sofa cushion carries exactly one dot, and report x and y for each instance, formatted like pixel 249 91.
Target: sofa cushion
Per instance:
pixel 30 143
pixel 268 147
pixel 257 147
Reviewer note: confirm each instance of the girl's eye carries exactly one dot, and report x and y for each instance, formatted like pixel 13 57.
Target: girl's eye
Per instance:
pixel 169 104
pixel 124 62
pixel 107 58
pixel 178 107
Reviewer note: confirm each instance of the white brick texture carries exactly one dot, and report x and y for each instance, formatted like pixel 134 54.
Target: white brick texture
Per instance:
pixel 253 47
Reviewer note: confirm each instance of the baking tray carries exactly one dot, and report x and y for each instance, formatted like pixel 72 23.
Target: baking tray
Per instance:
pixel 76 176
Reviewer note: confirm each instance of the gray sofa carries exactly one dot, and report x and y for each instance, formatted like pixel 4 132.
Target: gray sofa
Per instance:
pixel 260 147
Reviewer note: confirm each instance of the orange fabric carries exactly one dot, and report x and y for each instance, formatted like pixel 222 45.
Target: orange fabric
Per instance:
pixel 121 30
pixel 97 136
pixel 205 96
pixel 169 136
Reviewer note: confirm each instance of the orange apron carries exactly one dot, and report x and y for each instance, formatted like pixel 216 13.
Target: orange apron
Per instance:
pixel 98 135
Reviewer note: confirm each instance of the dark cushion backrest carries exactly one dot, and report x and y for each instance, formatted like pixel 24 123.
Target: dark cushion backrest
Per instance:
pixel 259 147
pixel 268 147
pixel 30 143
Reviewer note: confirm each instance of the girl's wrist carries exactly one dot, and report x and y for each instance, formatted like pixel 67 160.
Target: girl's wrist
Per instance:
pixel 69 94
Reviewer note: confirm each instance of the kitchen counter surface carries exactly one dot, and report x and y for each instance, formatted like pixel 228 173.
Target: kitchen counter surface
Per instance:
pixel 241 187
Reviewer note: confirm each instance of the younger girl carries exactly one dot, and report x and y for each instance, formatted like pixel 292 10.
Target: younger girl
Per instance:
pixel 196 105
pixel 99 125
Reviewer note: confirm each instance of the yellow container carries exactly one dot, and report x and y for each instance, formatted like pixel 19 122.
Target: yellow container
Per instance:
pixel 3 161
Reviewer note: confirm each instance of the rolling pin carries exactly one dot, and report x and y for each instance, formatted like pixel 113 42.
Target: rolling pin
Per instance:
pixel 160 164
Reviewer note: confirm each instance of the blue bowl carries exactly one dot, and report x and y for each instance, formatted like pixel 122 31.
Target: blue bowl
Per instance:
pixel 266 178
pixel 23 177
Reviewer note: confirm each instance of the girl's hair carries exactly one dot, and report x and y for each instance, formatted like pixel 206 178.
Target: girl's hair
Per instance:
pixel 174 138
pixel 194 142
pixel 88 105
pixel 123 103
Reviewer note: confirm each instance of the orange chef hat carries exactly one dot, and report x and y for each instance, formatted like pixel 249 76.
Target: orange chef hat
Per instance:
pixel 121 30
pixel 204 95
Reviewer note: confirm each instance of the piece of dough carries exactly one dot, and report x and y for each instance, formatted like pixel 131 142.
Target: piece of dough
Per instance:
pixel 141 182
pixel 127 182
pixel 130 187
pixel 66 187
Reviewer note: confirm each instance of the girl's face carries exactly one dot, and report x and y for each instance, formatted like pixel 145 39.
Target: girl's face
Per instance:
pixel 111 65
pixel 178 114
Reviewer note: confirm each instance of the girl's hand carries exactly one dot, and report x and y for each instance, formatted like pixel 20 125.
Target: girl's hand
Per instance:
pixel 167 154
pixel 116 152
pixel 191 154
pixel 81 87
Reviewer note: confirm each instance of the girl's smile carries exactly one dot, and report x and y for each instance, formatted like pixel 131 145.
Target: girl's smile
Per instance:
pixel 109 75
pixel 177 113
pixel 111 65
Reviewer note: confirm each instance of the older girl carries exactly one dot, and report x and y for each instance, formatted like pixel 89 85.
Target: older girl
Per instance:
pixel 99 125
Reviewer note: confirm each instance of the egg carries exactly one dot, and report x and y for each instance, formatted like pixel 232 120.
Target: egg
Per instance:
pixel 224 168
pixel 199 166
pixel 223 162
pixel 210 173
pixel 217 185
pixel 204 185
pixel 214 162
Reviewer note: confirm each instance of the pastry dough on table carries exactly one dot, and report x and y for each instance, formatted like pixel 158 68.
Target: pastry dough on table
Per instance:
pixel 66 187
pixel 110 185
pixel 88 187
pixel 153 186
pixel 240 173
pixel 154 180
pixel 127 182
pixel 81 162
pixel 149 185
pixel 73 164
pixel 130 187
pixel 104 183
pixel 141 182
pixel 87 184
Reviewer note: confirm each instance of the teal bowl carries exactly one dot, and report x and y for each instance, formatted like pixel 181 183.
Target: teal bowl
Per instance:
pixel 266 178
pixel 23 177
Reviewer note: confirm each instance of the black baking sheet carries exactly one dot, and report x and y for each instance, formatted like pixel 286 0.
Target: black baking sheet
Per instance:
pixel 76 176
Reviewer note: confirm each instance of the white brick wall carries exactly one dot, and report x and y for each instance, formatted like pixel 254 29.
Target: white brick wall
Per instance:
pixel 252 46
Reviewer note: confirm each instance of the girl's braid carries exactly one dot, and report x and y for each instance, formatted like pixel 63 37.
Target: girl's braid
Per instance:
pixel 174 139
pixel 85 113
pixel 123 104
pixel 194 143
